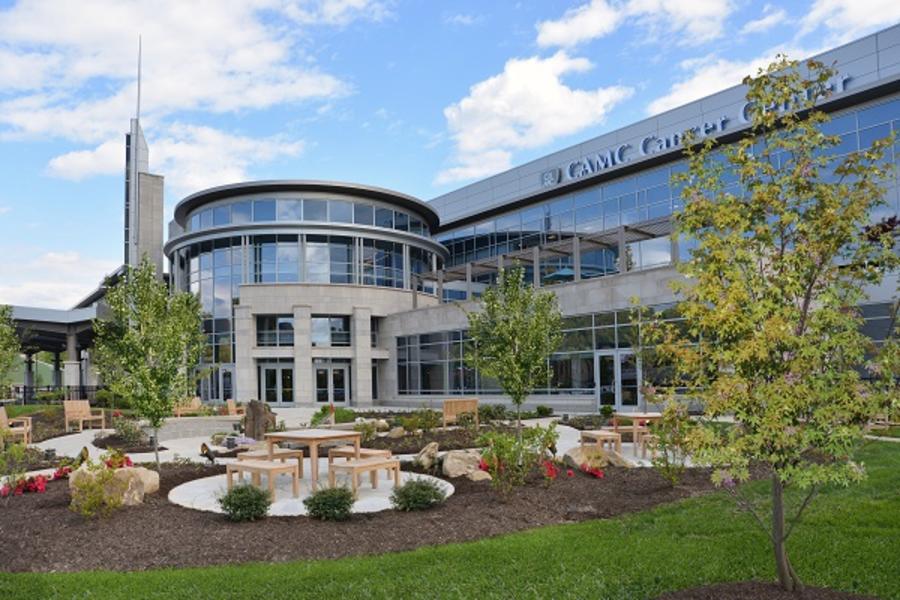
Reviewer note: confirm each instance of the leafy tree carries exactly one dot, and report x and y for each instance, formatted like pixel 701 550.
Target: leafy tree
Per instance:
pixel 9 345
pixel 148 346
pixel 514 335
pixel 770 299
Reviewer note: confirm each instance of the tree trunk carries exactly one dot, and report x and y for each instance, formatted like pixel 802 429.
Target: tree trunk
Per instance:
pixel 786 574
pixel 156 447
pixel 519 420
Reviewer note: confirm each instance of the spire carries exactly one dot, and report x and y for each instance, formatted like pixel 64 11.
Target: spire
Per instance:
pixel 138 113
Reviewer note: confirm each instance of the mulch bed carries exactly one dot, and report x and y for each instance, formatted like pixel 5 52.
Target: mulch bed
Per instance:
pixel 48 424
pixel 114 442
pixel 757 590
pixel 41 534
pixel 447 439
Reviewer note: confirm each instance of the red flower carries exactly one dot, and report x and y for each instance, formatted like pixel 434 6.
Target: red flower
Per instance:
pixel 482 465
pixel 4 491
pixel 117 413
pixel 570 473
pixel 550 469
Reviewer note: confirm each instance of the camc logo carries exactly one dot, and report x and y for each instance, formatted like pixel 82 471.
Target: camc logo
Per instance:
pixel 550 177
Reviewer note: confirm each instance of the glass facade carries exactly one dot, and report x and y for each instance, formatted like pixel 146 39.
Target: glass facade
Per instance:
pixel 330 331
pixel 274 330
pixel 299 209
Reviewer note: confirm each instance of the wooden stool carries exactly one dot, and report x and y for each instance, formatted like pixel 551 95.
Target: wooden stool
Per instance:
pixel 349 452
pixel 365 465
pixel 270 468
pixel 603 438
pixel 281 454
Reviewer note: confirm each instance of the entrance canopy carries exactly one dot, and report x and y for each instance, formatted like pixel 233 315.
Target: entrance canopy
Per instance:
pixel 57 331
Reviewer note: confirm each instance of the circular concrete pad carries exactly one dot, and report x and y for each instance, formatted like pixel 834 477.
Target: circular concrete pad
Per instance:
pixel 203 494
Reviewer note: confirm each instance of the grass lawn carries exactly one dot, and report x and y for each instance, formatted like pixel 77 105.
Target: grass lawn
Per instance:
pixel 850 540
pixel 20 410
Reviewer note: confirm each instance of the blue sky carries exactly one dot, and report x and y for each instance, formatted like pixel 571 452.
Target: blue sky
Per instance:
pixel 420 96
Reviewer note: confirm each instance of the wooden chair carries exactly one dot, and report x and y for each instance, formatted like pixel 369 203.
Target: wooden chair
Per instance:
pixel 19 427
pixel 233 409
pixel 365 465
pixel 458 406
pixel 192 407
pixel 79 411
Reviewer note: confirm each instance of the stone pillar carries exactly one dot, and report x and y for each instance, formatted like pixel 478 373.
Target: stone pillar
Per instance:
pixel 623 251
pixel 72 365
pixel 245 385
pixel 361 331
pixel 440 285
pixel 576 257
pixel 304 386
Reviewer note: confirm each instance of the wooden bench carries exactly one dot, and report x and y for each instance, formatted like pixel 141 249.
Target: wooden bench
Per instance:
pixel 603 438
pixel 281 454
pixel 192 407
pixel 365 465
pixel 459 406
pixel 79 411
pixel 19 427
pixel 349 452
pixel 648 439
pixel 270 468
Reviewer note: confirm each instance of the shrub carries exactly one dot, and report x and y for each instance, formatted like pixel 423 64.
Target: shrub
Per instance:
pixel 417 494
pixel 107 399
pixel 341 415
pixel 543 411
pixel 128 430
pixel 330 504
pixel 428 419
pixel 509 458
pixel 607 411
pixel 467 422
pixel 672 431
pixel 49 397
pixel 99 493
pixel 246 503
pixel 492 412
pixel 367 429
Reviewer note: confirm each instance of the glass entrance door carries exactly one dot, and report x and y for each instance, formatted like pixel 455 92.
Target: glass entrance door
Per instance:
pixel 618 376
pixel 332 383
pixel 276 383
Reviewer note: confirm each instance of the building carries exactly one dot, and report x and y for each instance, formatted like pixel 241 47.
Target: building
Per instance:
pixel 323 292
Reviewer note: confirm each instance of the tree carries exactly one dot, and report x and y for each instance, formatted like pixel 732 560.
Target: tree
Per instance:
pixel 770 299
pixel 148 347
pixel 9 345
pixel 513 336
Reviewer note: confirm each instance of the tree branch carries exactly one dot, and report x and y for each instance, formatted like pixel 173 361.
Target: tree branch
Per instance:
pixel 796 519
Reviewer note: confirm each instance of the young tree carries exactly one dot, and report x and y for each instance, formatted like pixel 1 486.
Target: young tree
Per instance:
pixel 149 345
pixel 770 297
pixel 9 346
pixel 514 335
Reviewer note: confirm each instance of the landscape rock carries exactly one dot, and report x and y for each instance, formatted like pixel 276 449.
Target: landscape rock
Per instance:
pixel 594 457
pixel 148 477
pixel 131 488
pixel 479 475
pixel 382 425
pixel 461 462
pixel 428 455
pixel 396 432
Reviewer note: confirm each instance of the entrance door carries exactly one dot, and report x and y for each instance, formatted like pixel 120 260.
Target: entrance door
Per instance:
pixel 226 375
pixel 277 383
pixel 618 376
pixel 332 383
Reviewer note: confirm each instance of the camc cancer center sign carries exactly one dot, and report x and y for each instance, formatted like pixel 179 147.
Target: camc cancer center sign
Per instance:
pixel 652 144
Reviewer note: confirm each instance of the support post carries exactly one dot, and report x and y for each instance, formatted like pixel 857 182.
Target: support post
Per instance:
pixel 536 266
pixel 623 250
pixel 468 281
pixel 576 257
pixel 57 370
pixel 440 285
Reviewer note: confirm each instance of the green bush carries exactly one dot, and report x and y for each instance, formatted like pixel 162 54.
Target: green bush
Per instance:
pixel 417 494
pixel 341 415
pixel 607 411
pixel 510 457
pixel 106 399
pixel 492 412
pixel 543 411
pixel 128 430
pixel 97 494
pixel 49 396
pixel 330 504
pixel 367 429
pixel 246 503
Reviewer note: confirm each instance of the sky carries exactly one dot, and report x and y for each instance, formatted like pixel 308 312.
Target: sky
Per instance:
pixel 419 96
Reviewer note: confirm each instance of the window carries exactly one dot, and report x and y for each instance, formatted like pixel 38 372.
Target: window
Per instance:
pixel 363 214
pixel 263 210
pixel 330 330
pixel 222 215
pixel 384 217
pixel 241 212
pixel 290 210
pixel 315 210
pixel 341 211
pixel 274 330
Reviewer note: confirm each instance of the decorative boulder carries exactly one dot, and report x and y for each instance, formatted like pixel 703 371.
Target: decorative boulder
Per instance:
pixel 594 457
pixel 479 475
pixel 258 419
pixel 382 425
pixel 428 455
pixel 396 432
pixel 132 488
pixel 461 462
pixel 149 478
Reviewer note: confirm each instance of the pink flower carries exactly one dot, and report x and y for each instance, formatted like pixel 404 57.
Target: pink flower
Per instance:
pixel 570 473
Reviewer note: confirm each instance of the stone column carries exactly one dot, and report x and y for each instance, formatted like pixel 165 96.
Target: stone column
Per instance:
pixel 468 281
pixel 57 370
pixel 361 331
pixel 576 257
pixel 72 366
pixel 245 385
pixel 304 386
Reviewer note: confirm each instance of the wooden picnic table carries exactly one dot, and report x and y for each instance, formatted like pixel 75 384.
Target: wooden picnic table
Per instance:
pixel 312 438
pixel 636 418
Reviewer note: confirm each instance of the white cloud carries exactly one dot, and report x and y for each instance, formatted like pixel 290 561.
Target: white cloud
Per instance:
pixel 190 157
pixel 772 16
pixel 36 277
pixel 67 69
pixel 525 106
pixel 463 19
pixel 692 21
pixel 4 210
pixel 850 19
